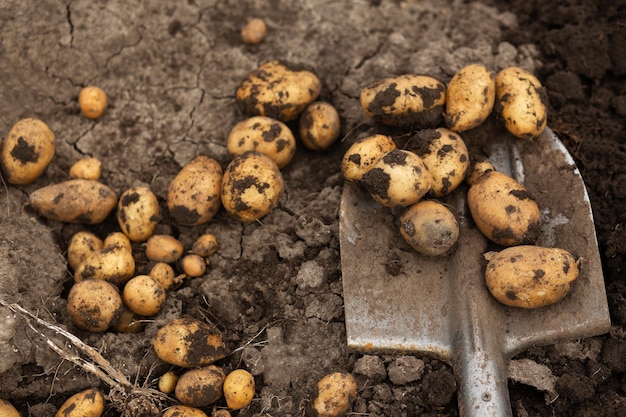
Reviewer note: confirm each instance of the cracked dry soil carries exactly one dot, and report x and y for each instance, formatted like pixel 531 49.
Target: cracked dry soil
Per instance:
pixel 170 70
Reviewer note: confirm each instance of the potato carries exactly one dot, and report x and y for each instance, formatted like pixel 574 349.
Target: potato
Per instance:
pixel 138 213
pixel 265 135
pixel 277 91
pixel 93 304
pixel 429 228
pixel 521 101
pixel 319 125
pixel 114 264
pixel 87 403
pixel 445 155
pixel 399 178
pixel 251 186
pixel 470 97
pixel 503 210
pixel 201 386
pixel 183 411
pixel 221 413
pixel 238 389
pixel 81 246
pixel 189 342
pixel 164 248
pixel 205 245
pixel 193 265
pixel 75 201
pixel 163 273
pixel 128 322
pixel 167 382
pixel 26 151
pixel 477 169
pixel 7 409
pixel 531 276
pixel 193 196
pixel 363 154
pixel 118 239
pixel 408 101
pixel 87 169
pixel 92 101
pixel 254 31
pixel 143 295
pixel 335 394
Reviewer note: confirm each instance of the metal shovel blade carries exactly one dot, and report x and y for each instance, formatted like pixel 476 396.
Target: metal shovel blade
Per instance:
pixel 398 300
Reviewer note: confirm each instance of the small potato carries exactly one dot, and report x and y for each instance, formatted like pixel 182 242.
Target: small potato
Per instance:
pixel 201 386
pixel 87 169
pixel 81 246
pixel 221 413
pixel 26 151
pixel 114 264
pixel 164 248
pixel 205 245
pixel 163 273
pixel 503 210
pixel 128 322
pixel 477 169
pixel 531 276
pixel 143 295
pixel 521 101
pixel 429 228
pixel 92 101
pixel 277 91
pixel 193 196
pixel 399 178
pixel 407 101
pixel 167 382
pixel 265 135
pixel 183 411
pixel 238 389
pixel 254 31
pixel 189 343
pixel 193 265
pixel 75 201
pixel 87 403
pixel 93 305
pixel 470 97
pixel 118 239
pixel 446 157
pixel 363 154
pixel 7 409
pixel 335 394
pixel 251 186
pixel 138 213
pixel 319 125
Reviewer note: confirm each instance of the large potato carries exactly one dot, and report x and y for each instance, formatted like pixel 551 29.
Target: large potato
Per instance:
pixel 531 276
pixel 138 213
pixel 26 151
pixel 93 305
pixel 429 228
pixel 201 386
pixel 265 135
pixel 408 101
pixel 114 264
pixel 7 409
pixel 87 403
pixel 470 97
pixel 363 154
pixel 503 209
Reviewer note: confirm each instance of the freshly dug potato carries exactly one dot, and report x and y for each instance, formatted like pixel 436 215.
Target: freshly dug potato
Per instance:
pixel 128 322
pixel 188 342
pixel 470 97
pixel 277 91
pixel 86 169
pixel 81 246
pixel 201 386
pixel 319 125
pixel 167 382
pixel 254 31
pixel 408 101
pixel 399 178
pixel 531 276
pixel 118 239
pixel 87 403
pixel 503 209
pixel 94 305
pixel 251 186
pixel 193 196
pixel 164 248
pixel 138 213
pixel 221 413
pixel 238 389
pixel 430 228
pixel 193 265
pixel 183 411
pixel 335 394
pixel 521 101
pixel 114 264
pixel 477 169
pixel 143 295
pixel 265 135
pixel 7 409
pixel 445 155
pixel 92 101
pixel 205 245
pixel 363 154
pixel 163 273
pixel 75 201
pixel 26 151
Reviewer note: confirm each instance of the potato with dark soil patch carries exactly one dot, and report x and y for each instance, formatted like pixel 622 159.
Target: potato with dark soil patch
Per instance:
pixel 335 394
pixel 319 126
pixel 265 135
pixel 470 97
pixel 94 305
pixel 363 154
pixel 114 264
pixel 201 386
pixel 430 228
pixel 138 213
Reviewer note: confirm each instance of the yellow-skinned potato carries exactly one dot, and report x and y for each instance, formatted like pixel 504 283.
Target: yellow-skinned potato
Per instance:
pixel 265 135
pixel 319 125
pixel 254 31
pixel 193 196
pixel 238 389
pixel 221 413
pixel 143 295
pixel 81 246
pixel 503 210
pixel 167 382
pixel 87 403
pixel 277 91
pixel 26 151
pixel 531 276
pixel 335 394
pixel 477 169
pixel 363 154
pixel 118 239
pixel 7 409
pixel 87 169
pixel 183 411
pixel 408 101
pixel 163 273
pixel 138 213
pixel 521 102
pixel 164 248
pixel 205 245
pixel 429 228
pixel 92 101
pixel 470 97
pixel 193 265
pixel 201 386
pixel 114 264
pixel 94 305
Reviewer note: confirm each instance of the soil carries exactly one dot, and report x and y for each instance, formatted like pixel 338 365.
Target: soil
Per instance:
pixel 274 287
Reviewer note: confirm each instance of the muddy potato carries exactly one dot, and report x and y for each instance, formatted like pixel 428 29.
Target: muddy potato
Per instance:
pixel 363 154
pixel 87 169
pixel 114 264
pixel 445 155
pixel 430 228
pixel 503 210
pixel 251 186
pixel 92 101
pixel 531 276
pixel 93 305
pixel 319 125
pixel 87 403
pixel 26 151
pixel 81 246
pixel 521 101
pixel 163 273
pixel 183 411
pixel 254 31
pixel 477 169
pixel 408 101
pixel 167 382
pixel 201 386
pixel 189 342
pixel 138 213
pixel 335 394
pixel 74 201
pixel 263 134
pixel 193 265
pixel 118 239
pixel 164 248
pixel 277 91
pixel 470 97
pixel 143 295
pixel 128 322
pixel 7 409
pixel 221 413
pixel 193 196
pixel 205 245
pixel 238 389
pixel 399 178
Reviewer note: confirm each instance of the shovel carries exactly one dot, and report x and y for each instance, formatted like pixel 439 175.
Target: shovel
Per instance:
pixel 397 300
